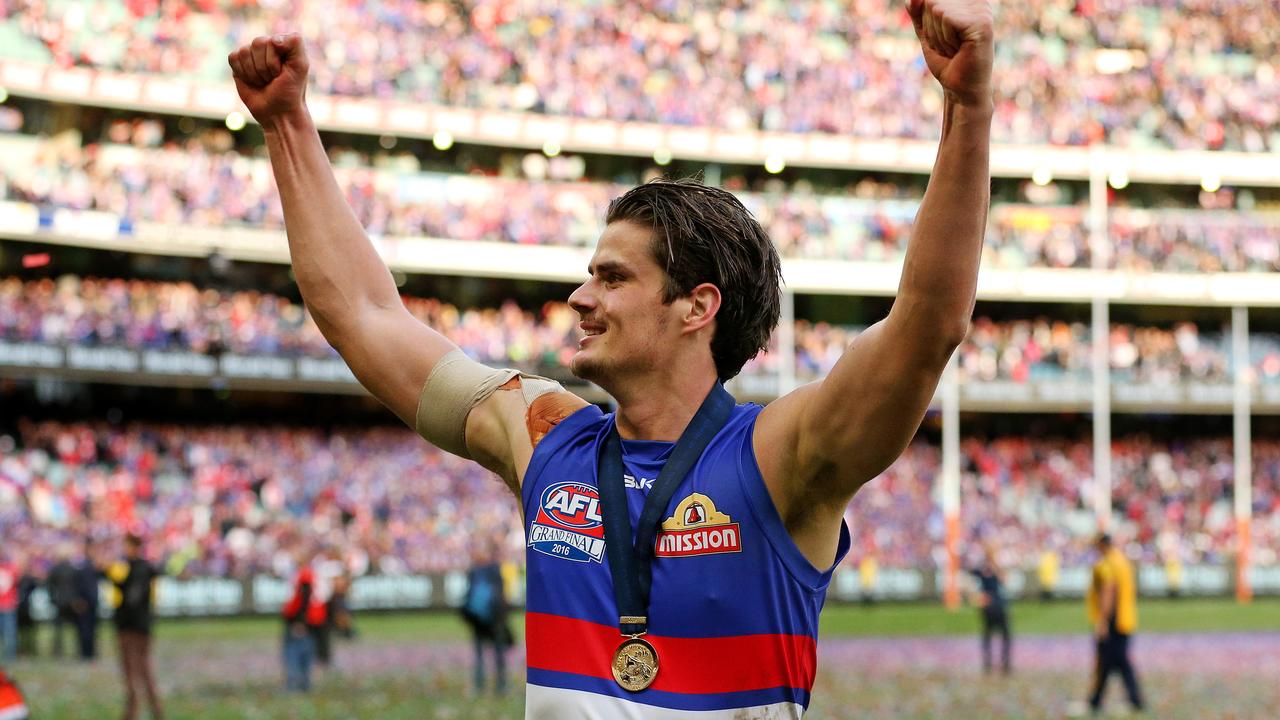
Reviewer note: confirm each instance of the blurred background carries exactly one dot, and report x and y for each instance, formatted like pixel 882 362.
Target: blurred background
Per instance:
pixel 159 374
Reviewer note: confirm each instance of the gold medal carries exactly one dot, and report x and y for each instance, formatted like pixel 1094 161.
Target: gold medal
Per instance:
pixel 635 664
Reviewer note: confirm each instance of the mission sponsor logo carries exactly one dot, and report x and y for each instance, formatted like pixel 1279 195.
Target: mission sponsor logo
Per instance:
pixel 568 523
pixel 697 528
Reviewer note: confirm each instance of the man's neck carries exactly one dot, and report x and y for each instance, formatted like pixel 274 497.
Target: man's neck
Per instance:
pixel 662 409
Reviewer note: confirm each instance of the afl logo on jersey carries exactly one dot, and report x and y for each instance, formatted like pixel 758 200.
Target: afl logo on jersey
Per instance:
pixel 697 528
pixel 568 523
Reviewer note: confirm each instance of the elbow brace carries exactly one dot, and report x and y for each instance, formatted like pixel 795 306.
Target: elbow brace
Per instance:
pixel 455 386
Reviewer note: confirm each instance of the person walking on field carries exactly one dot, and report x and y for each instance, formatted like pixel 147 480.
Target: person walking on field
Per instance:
pixel 1112 605
pixel 485 609
pixel 992 604
pixel 134 582
pixel 721 522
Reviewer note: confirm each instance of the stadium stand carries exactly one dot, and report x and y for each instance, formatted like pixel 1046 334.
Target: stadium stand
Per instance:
pixel 205 183
pixel 1184 75
pixel 235 501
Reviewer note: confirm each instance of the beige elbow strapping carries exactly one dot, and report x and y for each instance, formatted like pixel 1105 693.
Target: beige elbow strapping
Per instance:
pixel 456 385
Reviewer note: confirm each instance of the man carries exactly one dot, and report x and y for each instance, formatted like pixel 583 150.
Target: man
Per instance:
pixel 1112 605
pixel 9 574
pixel 61 586
pixel 989 597
pixel 484 607
pixel 84 603
pixel 303 614
pixel 134 581
pixel 714 606
pixel 28 625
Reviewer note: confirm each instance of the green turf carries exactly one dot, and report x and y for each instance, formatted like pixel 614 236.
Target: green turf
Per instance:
pixel 1035 618
pixel 1185 615
pixel 216 669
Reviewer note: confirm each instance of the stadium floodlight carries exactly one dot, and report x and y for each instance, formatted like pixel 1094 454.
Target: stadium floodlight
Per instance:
pixel 662 156
pixel 1211 182
pixel 775 164
pixel 442 140
pixel 235 121
pixel 551 148
pixel 1042 176
pixel 1118 179
pixel 386 142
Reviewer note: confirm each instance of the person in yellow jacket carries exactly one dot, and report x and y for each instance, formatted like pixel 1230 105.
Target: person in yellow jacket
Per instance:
pixel 1112 604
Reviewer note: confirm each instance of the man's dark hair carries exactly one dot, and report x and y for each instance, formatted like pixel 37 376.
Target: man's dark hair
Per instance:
pixel 703 234
pixel 1103 540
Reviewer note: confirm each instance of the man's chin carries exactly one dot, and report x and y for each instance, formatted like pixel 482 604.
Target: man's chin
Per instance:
pixel 581 367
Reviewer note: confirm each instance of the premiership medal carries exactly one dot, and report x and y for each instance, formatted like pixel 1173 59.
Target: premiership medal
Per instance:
pixel 635 664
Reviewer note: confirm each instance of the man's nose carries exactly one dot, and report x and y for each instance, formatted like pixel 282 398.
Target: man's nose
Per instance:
pixel 581 299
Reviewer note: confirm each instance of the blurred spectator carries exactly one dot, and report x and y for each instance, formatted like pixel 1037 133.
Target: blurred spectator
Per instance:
pixel 989 598
pixel 28 626
pixel 61 586
pixel 85 603
pixel 9 573
pixel 134 582
pixel 484 608
pixel 303 613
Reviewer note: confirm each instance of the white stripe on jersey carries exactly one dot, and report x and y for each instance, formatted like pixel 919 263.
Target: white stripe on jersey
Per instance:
pixel 548 703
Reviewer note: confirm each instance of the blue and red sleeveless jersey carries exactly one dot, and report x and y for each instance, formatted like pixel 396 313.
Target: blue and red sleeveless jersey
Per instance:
pixel 733 612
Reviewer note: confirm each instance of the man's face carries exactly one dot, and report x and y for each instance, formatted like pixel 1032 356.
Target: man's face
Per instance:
pixel 626 326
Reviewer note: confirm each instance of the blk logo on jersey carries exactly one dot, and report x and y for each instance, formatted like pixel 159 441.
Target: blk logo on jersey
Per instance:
pixel 697 528
pixel 568 523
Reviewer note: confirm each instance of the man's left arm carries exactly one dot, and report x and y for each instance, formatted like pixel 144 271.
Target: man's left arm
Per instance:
pixel 819 444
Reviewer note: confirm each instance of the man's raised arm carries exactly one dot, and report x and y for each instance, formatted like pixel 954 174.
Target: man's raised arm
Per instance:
pixel 346 286
pixel 822 442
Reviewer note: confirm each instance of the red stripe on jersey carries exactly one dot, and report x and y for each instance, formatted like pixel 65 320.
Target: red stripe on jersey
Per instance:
pixel 685 665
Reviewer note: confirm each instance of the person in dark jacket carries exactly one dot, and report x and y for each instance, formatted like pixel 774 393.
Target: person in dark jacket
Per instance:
pixel 134 580
pixel 484 608
pixel 84 604
pixel 991 602
pixel 28 626
pixel 61 586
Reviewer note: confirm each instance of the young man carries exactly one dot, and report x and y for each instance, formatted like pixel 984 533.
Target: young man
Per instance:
pixel 714 607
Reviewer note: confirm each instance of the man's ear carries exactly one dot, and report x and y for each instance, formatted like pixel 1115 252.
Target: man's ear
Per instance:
pixel 704 305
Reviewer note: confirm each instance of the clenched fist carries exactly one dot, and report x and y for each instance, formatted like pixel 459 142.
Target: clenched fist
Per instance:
pixel 271 76
pixel 957 39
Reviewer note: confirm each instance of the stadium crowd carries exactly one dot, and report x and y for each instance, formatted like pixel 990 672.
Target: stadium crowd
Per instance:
pixel 157 315
pixel 138 176
pixel 1188 74
pixel 242 500
pixel 1027 495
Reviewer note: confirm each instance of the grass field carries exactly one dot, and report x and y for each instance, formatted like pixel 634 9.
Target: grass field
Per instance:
pixel 1197 659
